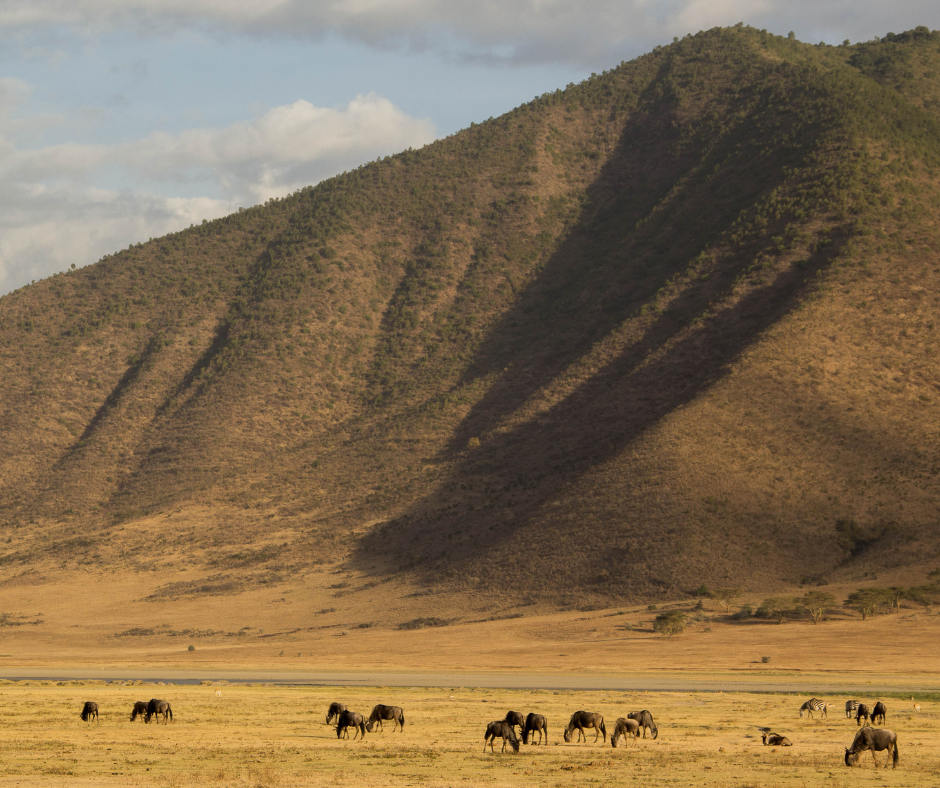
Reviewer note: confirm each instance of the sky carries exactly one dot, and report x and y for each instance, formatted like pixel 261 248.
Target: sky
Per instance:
pixel 122 120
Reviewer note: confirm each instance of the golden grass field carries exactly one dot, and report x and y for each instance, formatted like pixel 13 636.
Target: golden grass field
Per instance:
pixel 257 735
pixel 273 734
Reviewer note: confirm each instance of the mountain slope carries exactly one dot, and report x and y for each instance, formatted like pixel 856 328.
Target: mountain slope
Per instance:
pixel 673 325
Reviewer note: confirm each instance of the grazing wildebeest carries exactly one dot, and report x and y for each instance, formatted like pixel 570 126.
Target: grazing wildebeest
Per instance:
pixel 880 710
pixel 876 740
pixel 334 711
pixel 500 728
pixel 629 729
pixel 516 719
pixel 776 739
pixel 533 723
pixel 381 712
pixel 814 704
pixel 140 709
pixel 347 719
pixel 851 706
pixel 586 719
pixel 646 721
pixel 156 706
pixel 862 713
pixel 89 710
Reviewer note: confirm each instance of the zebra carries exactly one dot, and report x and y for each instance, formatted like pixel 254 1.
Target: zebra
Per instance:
pixel 851 706
pixel 814 704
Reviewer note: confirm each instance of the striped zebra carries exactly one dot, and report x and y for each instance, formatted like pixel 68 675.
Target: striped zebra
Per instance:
pixel 851 706
pixel 814 704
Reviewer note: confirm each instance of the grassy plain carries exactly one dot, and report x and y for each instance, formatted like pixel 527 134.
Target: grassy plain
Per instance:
pixel 256 735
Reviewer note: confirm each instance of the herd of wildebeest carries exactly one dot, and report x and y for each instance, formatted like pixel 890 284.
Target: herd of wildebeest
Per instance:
pixel 629 727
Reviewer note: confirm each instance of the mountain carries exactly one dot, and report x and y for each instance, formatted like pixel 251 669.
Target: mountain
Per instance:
pixel 677 324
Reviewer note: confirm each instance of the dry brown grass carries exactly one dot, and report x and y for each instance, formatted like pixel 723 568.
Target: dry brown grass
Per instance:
pixel 275 736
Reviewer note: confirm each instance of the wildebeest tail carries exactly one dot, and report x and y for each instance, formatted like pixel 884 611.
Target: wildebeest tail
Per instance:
pixel 170 710
pixel 402 720
pixel 896 756
pixel 603 732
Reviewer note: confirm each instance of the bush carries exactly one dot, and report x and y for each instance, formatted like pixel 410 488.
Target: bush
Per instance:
pixel 745 611
pixel 191 647
pixel 765 660
pixel 670 623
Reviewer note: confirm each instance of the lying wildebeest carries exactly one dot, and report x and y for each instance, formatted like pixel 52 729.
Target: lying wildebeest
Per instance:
pixel 881 711
pixel 814 704
pixel 646 721
pixel 500 728
pixel 876 740
pixel 586 719
pixel 381 712
pixel 516 719
pixel 629 729
pixel 862 713
pixel 533 723
pixel 157 706
pixel 140 709
pixel 334 711
pixel 347 719
pixel 776 739
pixel 89 710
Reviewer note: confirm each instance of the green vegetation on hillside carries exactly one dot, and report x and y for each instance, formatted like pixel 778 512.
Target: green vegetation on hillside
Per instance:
pixel 675 322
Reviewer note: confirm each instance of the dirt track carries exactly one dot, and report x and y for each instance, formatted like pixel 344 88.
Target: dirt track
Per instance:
pixel 638 683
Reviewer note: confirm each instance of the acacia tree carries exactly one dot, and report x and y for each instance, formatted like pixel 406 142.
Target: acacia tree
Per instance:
pixel 670 623
pixel 779 607
pixel 817 603
pixel 867 600
pixel 726 596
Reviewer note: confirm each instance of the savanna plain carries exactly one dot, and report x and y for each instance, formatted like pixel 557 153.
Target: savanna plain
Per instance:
pixel 257 735
pixel 269 734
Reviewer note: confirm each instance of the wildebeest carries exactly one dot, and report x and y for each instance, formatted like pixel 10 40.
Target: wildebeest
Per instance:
pixel 629 729
pixel 533 723
pixel 881 711
pixel 646 721
pixel 89 710
pixel 381 712
pixel 334 711
pixel 586 719
pixel 862 713
pixel 157 706
pixel 776 740
pixel 876 740
pixel 516 719
pixel 500 728
pixel 140 709
pixel 850 707
pixel 347 719
pixel 814 704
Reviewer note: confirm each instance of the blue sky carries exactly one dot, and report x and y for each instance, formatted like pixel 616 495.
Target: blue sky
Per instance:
pixel 122 120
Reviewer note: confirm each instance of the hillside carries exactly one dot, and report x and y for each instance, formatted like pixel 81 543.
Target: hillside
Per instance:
pixel 674 325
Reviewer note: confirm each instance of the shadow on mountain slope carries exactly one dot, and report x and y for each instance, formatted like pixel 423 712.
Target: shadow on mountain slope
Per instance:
pixel 654 214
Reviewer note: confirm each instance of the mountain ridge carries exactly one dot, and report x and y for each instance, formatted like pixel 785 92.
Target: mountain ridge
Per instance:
pixel 666 327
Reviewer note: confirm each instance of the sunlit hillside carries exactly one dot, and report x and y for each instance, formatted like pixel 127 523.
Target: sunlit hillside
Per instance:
pixel 675 325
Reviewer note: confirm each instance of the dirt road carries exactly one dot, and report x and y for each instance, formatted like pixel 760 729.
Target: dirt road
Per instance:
pixel 571 681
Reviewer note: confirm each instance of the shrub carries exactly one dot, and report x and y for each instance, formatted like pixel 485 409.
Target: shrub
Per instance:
pixel 191 647
pixel 745 611
pixel 765 660
pixel 670 623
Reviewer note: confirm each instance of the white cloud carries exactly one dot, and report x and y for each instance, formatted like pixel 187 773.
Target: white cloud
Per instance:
pixel 595 31
pixel 52 214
